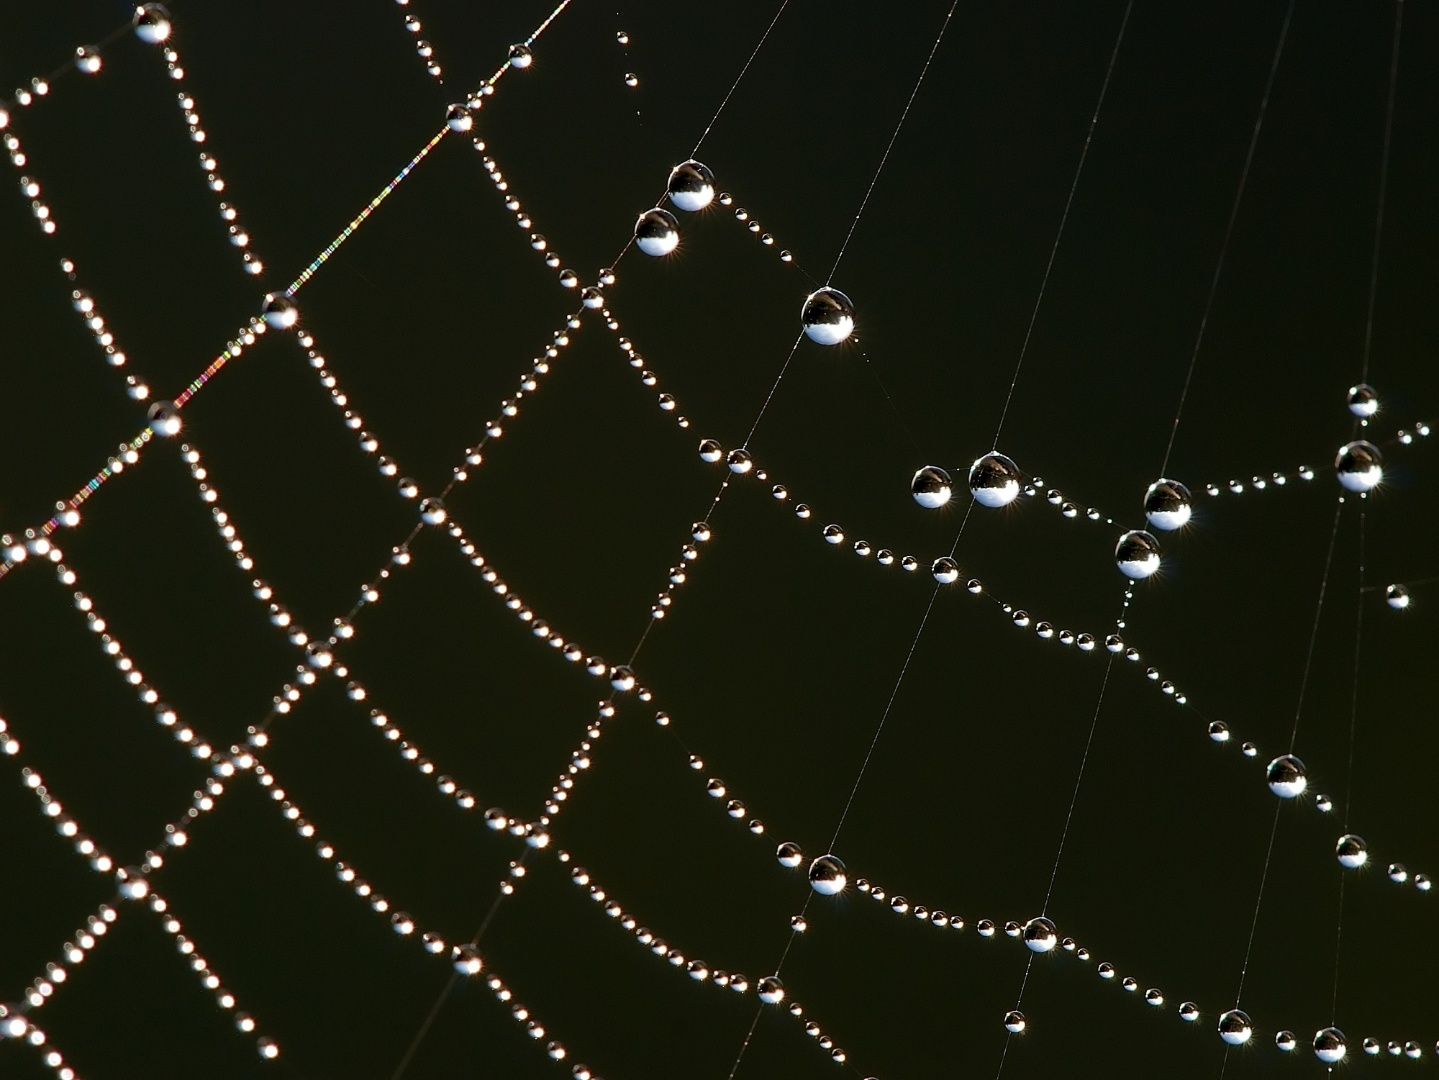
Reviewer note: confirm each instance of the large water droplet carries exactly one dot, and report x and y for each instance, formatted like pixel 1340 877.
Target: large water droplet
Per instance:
pixel 994 480
pixel 1351 851
pixel 152 23
pixel 1167 505
pixel 1330 1045
pixel 1235 1028
pixel 930 487
pixel 164 418
pixel 1286 776
pixel 828 316
pixel 1359 466
pixel 1363 401
pixel 827 875
pixel 945 570
pixel 657 232
pixel 1040 935
pixel 789 854
pixel 691 186
pixel 280 312
pixel 458 118
pixel 1137 554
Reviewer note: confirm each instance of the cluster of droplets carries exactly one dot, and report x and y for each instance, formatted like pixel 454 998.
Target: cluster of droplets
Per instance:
pixel 622 38
pixel 828 318
pixel 464 957
pixel 279 313
pixel 592 296
pixel 132 885
pixel 423 49
pixel 770 990
pixel 51 808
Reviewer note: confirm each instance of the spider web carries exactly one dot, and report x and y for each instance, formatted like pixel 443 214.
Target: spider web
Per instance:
pixel 773 661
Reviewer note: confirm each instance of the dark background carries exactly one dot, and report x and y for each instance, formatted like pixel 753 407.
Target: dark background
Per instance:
pixel 781 651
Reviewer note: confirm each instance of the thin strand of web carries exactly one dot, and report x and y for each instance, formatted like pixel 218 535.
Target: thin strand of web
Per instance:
pixel 1349 771
pixel 1228 232
pixel 1009 1038
pixel 893 136
pixel 775 386
pixel 894 692
pixel 1314 631
pixel 1303 684
pixel 1258 902
pixel 869 753
pixel 444 995
pixel 738 78
pixel 551 17
pixel 1383 188
pixel 903 421
pixel 1074 797
pixel 1063 220
pixel 748 1035
pixel 879 729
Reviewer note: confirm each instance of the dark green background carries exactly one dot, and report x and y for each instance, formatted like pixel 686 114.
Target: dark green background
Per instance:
pixel 780 653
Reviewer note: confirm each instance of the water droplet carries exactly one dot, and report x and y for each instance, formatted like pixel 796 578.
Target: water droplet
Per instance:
pixel 1397 597
pixel 827 875
pixel 467 960
pixel 1167 505
pixel 691 186
pixel 1360 466
pixel 432 511
pixel 1363 401
pixel 657 232
pixel 592 297
pixel 164 418
pixel 711 451
pixel 622 37
pixel 1329 1045
pixel 994 480
pixel 152 23
pixel 828 316
pixel 1351 851
pixel 631 79
pixel 945 570
pixel 520 56
pixel 1285 1040
pixel 458 118
pixel 739 462
pixel 280 312
pixel 87 59
pixel 1219 731
pixel 1235 1028
pixel 770 990
pixel 1286 776
pixel 1040 935
pixel 1398 873
pixel 930 487
pixel 1014 1021
pixel 1189 1012
pixel 1137 554
pixel 133 885
pixel 789 854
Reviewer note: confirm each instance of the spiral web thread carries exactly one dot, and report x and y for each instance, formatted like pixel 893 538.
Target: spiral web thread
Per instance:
pixel 137 880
